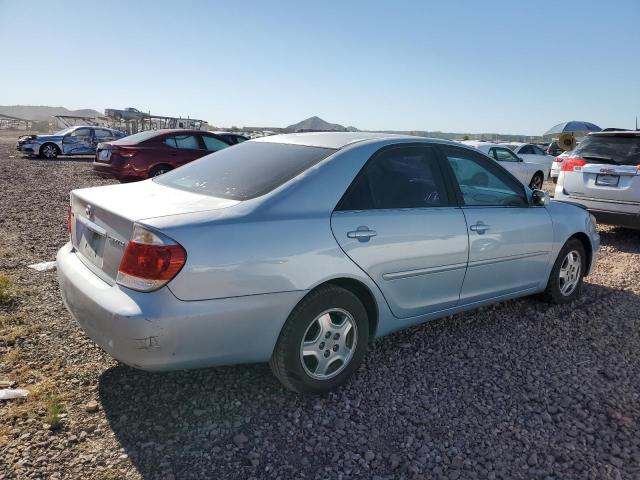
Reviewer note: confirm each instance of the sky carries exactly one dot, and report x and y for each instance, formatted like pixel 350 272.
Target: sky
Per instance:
pixel 457 66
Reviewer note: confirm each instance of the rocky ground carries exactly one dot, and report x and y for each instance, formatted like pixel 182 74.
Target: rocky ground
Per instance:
pixel 515 390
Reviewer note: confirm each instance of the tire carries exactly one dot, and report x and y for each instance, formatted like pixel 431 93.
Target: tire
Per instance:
pixel 554 179
pixel 536 181
pixel 49 151
pixel 557 291
pixel 317 321
pixel 159 170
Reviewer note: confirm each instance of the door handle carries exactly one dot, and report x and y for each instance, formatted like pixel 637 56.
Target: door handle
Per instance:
pixel 479 227
pixel 362 233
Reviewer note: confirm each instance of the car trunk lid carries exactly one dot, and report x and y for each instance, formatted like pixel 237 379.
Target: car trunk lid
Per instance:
pixel 103 218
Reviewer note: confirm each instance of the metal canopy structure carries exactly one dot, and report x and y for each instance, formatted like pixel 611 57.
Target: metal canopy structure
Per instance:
pixel 8 122
pixel 74 120
pixel 132 120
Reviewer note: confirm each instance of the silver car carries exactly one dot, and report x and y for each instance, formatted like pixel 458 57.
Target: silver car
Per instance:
pixel 299 249
pixel 603 174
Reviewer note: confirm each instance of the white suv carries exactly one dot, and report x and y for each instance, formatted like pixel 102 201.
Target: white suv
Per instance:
pixel 603 174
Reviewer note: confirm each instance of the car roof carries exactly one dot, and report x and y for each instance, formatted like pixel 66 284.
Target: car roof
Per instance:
pixel 221 132
pixel 616 133
pixel 481 145
pixel 335 140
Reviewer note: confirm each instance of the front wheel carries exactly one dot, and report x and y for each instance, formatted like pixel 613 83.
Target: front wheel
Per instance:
pixel 565 281
pixel 323 341
pixel 49 151
pixel 536 181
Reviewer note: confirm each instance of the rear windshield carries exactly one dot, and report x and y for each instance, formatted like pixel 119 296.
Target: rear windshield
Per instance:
pixel 244 171
pixel 621 150
pixel 138 137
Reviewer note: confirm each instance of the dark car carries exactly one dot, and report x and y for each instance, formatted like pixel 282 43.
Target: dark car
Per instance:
pixel 154 152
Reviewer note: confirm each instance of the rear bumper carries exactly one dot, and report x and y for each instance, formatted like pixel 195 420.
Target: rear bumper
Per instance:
pixel 116 170
pixel 156 331
pixel 606 212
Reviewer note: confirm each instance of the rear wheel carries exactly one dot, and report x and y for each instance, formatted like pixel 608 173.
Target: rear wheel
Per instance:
pixel 159 170
pixel 322 342
pixel 537 181
pixel 49 151
pixel 565 281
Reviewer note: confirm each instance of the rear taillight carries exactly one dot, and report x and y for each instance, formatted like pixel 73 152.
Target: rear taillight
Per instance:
pixel 123 152
pixel 150 260
pixel 69 217
pixel 570 164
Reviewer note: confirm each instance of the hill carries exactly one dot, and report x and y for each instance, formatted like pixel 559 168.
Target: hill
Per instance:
pixel 317 124
pixel 41 112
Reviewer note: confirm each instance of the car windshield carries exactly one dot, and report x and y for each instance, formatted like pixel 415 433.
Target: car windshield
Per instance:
pixel 64 131
pixel 618 149
pixel 244 171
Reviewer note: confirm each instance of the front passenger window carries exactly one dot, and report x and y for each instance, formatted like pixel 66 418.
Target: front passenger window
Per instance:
pixel 484 184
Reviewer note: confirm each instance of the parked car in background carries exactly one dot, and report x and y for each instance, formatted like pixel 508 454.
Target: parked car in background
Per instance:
pixel 299 249
pixel 81 140
pixel 154 152
pixel 532 153
pixel 603 174
pixel 554 149
pixel 531 174
pixel 557 165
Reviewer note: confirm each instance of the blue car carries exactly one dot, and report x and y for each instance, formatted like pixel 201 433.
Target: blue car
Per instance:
pixel 80 140
pixel 299 249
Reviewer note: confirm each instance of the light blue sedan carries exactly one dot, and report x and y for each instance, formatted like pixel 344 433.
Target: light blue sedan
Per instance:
pixel 299 249
pixel 79 140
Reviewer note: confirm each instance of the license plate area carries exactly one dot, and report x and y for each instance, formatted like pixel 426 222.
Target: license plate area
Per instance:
pixel 605 180
pixel 91 239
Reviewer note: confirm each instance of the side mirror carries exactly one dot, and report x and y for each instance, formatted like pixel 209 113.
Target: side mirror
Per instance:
pixel 540 198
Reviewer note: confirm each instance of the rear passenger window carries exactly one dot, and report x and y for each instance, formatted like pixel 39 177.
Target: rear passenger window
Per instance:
pixel 400 177
pixel 187 141
pixel 527 150
pixel 214 144
pixel 483 183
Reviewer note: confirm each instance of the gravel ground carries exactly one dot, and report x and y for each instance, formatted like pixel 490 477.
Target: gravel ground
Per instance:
pixel 515 390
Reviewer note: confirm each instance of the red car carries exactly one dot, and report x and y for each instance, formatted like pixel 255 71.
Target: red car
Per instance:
pixel 154 152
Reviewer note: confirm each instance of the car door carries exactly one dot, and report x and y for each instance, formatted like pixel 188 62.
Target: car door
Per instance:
pixel 101 135
pixel 400 224
pixel 184 148
pixel 509 240
pixel 78 142
pixel 511 162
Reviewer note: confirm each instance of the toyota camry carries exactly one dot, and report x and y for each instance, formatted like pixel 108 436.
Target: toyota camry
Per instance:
pixel 300 249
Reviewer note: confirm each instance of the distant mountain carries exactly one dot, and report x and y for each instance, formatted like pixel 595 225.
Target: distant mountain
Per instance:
pixel 317 124
pixel 32 112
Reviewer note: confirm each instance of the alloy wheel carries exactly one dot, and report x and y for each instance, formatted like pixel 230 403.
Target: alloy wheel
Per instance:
pixel 570 271
pixel 49 151
pixel 328 344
